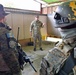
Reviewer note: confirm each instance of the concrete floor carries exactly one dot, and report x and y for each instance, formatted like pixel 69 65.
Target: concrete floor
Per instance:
pixel 36 57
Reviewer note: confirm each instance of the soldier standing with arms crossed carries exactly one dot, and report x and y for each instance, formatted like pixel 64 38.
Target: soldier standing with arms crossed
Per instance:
pixel 35 27
pixel 9 64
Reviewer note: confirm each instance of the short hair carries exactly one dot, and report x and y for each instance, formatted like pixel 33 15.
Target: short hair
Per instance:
pixel 37 16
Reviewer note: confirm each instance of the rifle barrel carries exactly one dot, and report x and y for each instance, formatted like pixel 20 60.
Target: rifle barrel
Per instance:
pixel 32 66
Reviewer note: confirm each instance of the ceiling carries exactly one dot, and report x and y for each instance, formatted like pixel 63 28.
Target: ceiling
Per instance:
pixel 49 2
pixel 52 1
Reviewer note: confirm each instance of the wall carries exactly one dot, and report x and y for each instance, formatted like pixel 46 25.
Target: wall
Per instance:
pixel 49 9
pixel 51 31
pixel 22 20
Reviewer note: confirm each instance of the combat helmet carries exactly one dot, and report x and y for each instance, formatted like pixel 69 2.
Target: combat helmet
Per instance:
pixel 65 19
pixel 65 15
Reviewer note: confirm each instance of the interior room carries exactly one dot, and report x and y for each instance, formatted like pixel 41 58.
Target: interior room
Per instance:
pixel 21 14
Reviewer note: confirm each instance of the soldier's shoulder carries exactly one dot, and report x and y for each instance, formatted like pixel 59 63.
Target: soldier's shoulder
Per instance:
pixel 62 47
pixel 33 22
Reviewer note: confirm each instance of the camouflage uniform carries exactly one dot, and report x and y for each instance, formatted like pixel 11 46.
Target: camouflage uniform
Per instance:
pixel 35 27
pixel 9 64
pixel 56 58
pixel 61 60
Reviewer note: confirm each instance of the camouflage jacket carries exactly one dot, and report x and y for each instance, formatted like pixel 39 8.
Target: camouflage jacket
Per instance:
pixel 8 59
pixel 35 27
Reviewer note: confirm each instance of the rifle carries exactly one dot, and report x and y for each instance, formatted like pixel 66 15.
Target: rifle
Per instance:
pixel 23 56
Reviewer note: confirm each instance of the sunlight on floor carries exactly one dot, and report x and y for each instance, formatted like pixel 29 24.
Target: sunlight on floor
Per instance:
pixel 53 39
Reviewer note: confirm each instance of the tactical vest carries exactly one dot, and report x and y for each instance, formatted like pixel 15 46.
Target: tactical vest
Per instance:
pixel 56 57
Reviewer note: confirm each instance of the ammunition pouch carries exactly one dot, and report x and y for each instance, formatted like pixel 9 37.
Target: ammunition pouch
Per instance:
pixel 53 61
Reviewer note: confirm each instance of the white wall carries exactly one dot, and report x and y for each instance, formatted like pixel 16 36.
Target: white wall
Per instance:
pixel 23 21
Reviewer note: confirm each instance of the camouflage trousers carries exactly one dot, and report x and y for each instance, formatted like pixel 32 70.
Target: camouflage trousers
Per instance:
pixel 8 73
pixel 39 39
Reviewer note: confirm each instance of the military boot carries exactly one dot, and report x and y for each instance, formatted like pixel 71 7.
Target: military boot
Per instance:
pixel 41 49
pixel 34 49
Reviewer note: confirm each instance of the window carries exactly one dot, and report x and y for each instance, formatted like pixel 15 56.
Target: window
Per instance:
pixel 21 4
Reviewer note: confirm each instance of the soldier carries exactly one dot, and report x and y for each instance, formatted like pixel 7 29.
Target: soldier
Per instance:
pixel 9 64
pixel 61 60
pixel 35 27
